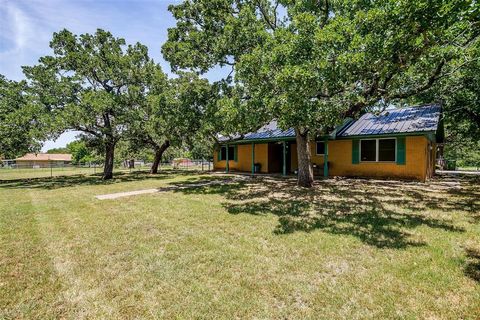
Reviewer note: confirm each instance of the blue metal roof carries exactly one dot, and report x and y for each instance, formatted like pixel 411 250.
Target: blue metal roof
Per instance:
pixel 268 131
pixel 423 118
pixel 404 120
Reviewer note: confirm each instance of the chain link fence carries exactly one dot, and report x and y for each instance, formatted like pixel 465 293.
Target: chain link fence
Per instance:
pixel 12 170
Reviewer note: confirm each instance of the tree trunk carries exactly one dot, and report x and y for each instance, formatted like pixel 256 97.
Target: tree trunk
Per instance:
pixel 131 163
pixel 305 170
pixel 108 166
pixel 158 156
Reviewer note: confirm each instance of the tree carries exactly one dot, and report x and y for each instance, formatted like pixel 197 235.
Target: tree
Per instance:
pixel 170 114
pixel 460 97
pixel 81 153
pixel 58 150
pixel 90 84
pixel 19 132
pixel 309 64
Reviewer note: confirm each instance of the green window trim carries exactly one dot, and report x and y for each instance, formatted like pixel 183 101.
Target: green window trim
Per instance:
pixel 401 151
pixel 355 151
pixel 235 153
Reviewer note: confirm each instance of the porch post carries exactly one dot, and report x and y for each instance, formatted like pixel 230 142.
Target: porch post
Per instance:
pixel 227 166
pixel 325 159
pixel 284 171
pixel 253 158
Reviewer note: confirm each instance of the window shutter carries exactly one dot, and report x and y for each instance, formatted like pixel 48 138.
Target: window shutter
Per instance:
pixel 401 150
pixel 219 154
pixel 355 151
pixel 235 153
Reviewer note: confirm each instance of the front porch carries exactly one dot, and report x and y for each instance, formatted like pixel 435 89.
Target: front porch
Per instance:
pixel 266 157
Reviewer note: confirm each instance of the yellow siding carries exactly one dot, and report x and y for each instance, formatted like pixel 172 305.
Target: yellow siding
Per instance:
pixel 340 159
pixel 418 164
pixel 244 157
pixel 316 159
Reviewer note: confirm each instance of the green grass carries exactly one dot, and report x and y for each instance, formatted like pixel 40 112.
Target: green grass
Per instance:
pixel 261 248
pixel 30 173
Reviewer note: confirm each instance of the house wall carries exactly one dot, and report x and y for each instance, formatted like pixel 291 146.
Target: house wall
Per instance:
pixel 244 158
pixel 317 160
pixel 39 163
pixel 418 164
pixel 340 157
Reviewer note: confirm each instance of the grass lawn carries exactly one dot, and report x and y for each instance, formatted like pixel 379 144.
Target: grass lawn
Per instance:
pixel 261 248
pixel 30 173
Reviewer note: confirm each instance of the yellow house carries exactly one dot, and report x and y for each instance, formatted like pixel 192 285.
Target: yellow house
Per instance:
pixel 398 143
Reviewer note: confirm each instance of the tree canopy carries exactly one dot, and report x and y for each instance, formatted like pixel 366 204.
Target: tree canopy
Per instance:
pixel 308 64
pixel 170 114
pixel 91 84
pixel 20 125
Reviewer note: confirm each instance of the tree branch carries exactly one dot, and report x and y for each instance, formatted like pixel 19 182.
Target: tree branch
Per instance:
pixel 431 80
pixel 265 16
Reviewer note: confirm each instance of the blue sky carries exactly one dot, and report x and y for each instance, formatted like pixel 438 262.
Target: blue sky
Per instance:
pixel 26 28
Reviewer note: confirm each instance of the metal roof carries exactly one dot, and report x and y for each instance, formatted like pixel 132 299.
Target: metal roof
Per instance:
pixel 423 118
pixel 268 131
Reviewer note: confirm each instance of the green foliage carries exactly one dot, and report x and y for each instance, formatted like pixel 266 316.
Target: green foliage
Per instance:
pixel 308 64
pixel 58 150
pixel 91 84
pixel 18 120
pixel 171 114
pixel 81 154
pixel 459 93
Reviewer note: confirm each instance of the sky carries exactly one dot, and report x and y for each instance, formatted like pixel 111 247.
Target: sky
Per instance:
pixel 27 26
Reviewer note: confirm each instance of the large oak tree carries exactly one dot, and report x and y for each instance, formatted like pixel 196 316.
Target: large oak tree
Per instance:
pixel 91 84
pixel 170 114
pixel 20 121
pixel 310 63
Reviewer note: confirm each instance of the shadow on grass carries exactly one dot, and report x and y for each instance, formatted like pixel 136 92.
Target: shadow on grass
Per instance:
pixel 379 213
pixel 472 268
pixel 91 179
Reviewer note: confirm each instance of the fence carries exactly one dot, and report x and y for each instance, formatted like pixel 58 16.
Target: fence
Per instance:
pixel 13 171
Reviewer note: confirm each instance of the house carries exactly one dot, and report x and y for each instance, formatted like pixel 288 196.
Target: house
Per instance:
pixel 397 143
pixel 43 160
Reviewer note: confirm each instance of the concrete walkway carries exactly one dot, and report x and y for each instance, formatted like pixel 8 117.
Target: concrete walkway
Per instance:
pixel 456 172
pixel 165 189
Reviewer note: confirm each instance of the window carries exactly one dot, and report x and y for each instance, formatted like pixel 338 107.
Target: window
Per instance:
pixel 223 153
pixel 320 148
pixel 231 153
pixel 386 150
pixel 368 150
pixel 378 150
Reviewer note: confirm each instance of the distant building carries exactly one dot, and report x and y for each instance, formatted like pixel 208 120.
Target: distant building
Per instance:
pixel 43 160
